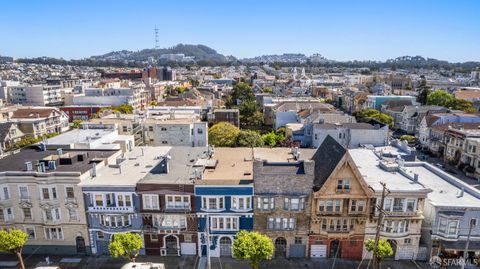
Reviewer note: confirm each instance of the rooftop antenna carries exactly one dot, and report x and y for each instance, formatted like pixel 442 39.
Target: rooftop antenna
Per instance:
pixel 156 37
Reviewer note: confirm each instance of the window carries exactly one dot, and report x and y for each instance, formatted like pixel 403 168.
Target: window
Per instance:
pixel 387 204
pixel 266 203
pixel 124 200
pixel 23 191
pixel 100 235
pixel 49 193
pixel 224 223
pixel 27 213
pixel 51 214
pixel 170 221
pixel 395 226
pixel 72 214
pixel 241 202
pixel 212 203
pixel 411 205
pixel 70 193
pixel 298 240
pixel 31 232
pixel 54 233
pixel 357 205
pixel 7 214
pixel 178 201
pixel 5 193
pixel 343 184
pixel 150 128
pixel 98 200
pixel 398 204
pixel 338 225
pixel 281 223
pixel 115 221
pixel 128 200
pixel 124 129
pixel 294 204
pixel 163 129
pixel 154 237
pixel 109 199
pixel 150 201
pixel 407 241
pixel 199 131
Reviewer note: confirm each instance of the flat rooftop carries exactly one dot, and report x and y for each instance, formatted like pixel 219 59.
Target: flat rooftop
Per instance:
pixel 181 166
pixel 16 162
pixel 233 166
pixel 136 165
pixel 368 165
pixel 281 155
pixel 79 136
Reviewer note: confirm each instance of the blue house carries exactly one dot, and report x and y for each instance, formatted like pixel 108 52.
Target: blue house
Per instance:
pixel 111 202
pixel 223 199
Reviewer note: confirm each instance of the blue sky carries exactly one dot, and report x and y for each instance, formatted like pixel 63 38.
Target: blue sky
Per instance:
pixel 340 30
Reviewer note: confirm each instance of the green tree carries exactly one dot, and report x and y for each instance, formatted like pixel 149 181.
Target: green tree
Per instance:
pixel 440 98
pixel 223 134
pixel 250 114
pixel 252 246
pixel 271 139
pixel 180 89
pixel 12 241
pixel 267 90
pixel 125 245
pixel 463 105
pixel 370 113
pixel 123 109
pixel 241 92
pixel 249 138
pixel 76 124
pixel 383 250
pixel 407 138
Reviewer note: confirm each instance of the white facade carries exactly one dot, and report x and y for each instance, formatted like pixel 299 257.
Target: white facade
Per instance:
pixel 171 133
pixel 39 95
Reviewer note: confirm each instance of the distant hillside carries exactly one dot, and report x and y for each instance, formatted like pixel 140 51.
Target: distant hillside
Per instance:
pixel 199 52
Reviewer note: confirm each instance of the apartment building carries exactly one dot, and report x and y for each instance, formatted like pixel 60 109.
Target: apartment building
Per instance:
pixel 38 121
pixel 36 95
pixel 40 195
pixel 167 203
pixel 283 182
pixel 111 203
pixel 175 132
pixel 134 96
pixel 224 199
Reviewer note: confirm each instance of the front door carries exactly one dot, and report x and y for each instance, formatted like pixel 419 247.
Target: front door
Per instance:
pixel 280 247
pixel 171 245
pixel 226 247
pixel 80 243
pixel 335 249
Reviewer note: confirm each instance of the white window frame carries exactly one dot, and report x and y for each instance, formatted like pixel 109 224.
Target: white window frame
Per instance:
pixel 287 203
pixel 55 213
pixel 220 206
pixel 169 220
pixel 113 220
pixel 23 213
pixel 50 193
pixel 7 217
pixel 74 216
pixel 66 193
pixel 149 202
pixel 25 228
pixel 281 224
pixel 269 200
pixel 20 192
pixel 2 192
pixel 217 221
pixel 184 203
pixel 58 231
pixel 245 205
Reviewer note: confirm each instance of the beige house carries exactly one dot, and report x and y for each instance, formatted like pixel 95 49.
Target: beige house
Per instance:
pixel 40 195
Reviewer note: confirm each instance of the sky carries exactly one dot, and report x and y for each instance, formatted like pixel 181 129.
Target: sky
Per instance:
pixel 339 30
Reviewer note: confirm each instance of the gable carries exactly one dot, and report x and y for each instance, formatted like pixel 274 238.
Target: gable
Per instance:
pixel 346 169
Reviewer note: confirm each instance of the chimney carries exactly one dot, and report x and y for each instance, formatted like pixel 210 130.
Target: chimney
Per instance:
pixel 415 177
pixel 93 173
pixel 461 192
pixel 59 151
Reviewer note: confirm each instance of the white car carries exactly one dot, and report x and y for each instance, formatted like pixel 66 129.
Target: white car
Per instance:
pixel 143 265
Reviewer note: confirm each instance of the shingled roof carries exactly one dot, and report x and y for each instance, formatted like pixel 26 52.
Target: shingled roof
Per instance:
pixel 326 158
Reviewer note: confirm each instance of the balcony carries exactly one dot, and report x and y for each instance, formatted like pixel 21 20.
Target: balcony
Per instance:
pixel 111 209
pixel 393 234
pixel 178 207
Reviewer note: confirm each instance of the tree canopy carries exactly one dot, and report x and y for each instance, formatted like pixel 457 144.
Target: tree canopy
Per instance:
pixel 223 134
pixel 125 245
pixel 249 138
pixel 252 246
pixel 272 139
pixel 12 241
pixel 445 99
pixel 123 109
pixel 383 250
pixel 370 113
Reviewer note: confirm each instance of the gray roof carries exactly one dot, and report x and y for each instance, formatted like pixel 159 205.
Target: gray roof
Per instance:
pixel 4 130
pixel 180 166
pixel 326 158
pixel 358 125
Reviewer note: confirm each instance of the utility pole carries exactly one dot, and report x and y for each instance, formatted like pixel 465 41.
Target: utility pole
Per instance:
pixel 385 192
pixel 465 253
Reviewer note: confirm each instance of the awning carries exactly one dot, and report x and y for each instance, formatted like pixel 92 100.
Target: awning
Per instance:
pixel 460 245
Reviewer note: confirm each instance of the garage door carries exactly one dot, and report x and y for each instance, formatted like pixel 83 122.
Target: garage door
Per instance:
pixel 297 251
pixel 318 251
pixel 405 253
pixel 188 248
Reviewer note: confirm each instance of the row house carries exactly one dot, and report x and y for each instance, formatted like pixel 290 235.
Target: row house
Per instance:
pixel 340 204
pixel 455 144
pixel 41 196
pixel 38 121
pixel 403 204
pixel 224 199
pixel 111 202
pixel 283 181
pixel 10 134
pixel 168 203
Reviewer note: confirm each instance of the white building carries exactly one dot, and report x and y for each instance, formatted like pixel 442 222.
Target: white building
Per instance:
pixel 37 95
pixel 136 97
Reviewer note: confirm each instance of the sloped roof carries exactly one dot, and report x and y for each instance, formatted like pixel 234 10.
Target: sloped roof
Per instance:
pixel 32 113
pixel 4 130
pixel 326 158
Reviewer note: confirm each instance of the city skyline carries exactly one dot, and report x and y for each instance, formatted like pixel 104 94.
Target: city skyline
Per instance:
pixel 345 30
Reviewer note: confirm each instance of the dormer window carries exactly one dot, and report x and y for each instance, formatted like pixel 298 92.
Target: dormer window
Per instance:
pixel 343 184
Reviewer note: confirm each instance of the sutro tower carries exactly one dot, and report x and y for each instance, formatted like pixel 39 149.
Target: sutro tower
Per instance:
pixel 156 37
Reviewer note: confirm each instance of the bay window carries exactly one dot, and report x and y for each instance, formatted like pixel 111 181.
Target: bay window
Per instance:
pixel 54 233
pixel 150 201
pixel 241 203
pixel 213 203
pixel 115 221
pixel 224 223
pixel 266 203
pixel 178 201
pixel 281 224
pixel 170 221
pixel 294 204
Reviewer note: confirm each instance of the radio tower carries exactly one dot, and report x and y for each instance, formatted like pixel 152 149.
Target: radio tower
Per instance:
pixel 156 37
